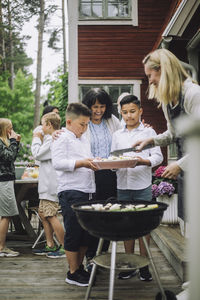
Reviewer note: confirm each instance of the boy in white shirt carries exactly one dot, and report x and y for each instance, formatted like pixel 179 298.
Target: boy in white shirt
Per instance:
pixel 72 159
pixel 134 184
pixel 47 186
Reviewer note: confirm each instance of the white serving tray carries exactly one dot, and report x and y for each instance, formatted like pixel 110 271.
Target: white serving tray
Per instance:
pixel 116 164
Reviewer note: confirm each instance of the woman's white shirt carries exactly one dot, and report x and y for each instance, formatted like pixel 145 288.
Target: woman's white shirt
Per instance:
pixel 191 93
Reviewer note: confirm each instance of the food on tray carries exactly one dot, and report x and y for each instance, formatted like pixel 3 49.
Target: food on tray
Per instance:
pixel 114 158
pixel 119 207
pixel 115 162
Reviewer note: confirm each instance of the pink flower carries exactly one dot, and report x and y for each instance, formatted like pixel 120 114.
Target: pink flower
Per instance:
pixel 160 171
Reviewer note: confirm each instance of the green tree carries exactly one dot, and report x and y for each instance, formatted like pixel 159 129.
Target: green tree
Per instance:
pixel 58 92
pixel 18 104
pixel 12 17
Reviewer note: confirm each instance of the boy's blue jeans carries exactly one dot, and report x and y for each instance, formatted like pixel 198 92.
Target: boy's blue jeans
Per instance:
pixel 135 195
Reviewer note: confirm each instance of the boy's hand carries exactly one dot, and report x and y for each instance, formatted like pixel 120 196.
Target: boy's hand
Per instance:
pixel 142 162
pixel 57 133
pixel 86 163
pixel 39 135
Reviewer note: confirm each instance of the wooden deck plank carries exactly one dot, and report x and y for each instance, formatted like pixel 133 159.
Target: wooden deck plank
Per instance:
pixel 173 245
pixel 40 278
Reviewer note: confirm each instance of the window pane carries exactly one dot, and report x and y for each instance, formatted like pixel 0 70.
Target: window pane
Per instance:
pixel 84 90
pixel 112 10
pixel 97 10
pixel 172 151
pixel 114 94
pixel 118 8
pixel 85 10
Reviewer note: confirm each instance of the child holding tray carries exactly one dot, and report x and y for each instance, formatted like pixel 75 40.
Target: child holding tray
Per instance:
pixel 72 160
pixel 134 184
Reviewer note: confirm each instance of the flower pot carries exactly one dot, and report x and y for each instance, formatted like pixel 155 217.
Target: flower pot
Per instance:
pixel 170 215
pixel 19 172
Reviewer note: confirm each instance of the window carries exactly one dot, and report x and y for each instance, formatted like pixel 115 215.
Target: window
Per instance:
pixel 105 9
pixel 113 90
pixel 172 151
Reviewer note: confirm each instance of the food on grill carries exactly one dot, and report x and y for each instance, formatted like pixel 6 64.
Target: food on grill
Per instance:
pixel 119 207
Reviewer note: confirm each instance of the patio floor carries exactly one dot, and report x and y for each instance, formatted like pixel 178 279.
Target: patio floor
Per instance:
pixel 38 277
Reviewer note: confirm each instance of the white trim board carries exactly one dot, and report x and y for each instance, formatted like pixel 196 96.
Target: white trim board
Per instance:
pixel 181 18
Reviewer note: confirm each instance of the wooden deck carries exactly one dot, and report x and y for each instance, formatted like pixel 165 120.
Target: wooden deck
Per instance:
pixel 31 277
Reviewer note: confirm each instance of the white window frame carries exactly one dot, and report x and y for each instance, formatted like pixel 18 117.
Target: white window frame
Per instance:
pixel 136 84
pixel 115 21
pixel 172 152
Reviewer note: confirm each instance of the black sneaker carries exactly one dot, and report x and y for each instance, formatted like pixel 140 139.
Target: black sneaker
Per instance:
pixel 84 272
pixel 127 274
pixel 77 278
pixel 145 275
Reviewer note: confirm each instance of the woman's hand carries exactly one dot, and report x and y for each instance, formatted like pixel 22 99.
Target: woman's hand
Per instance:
pixel 140 144
pixel 14 135
pixel 171 171
pixel 146 124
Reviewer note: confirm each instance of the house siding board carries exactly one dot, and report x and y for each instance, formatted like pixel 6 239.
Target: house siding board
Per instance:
pixel 108 51
pixel 117 51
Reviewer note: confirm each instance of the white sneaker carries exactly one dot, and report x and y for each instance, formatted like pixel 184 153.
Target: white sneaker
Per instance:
pixel 8 252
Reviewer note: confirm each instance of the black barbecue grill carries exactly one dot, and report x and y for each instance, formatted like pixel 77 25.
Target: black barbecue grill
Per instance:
pixel 120 226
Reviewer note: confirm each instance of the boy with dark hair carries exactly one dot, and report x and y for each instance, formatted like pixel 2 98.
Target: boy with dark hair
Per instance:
pixel 71 157
pixel 134 184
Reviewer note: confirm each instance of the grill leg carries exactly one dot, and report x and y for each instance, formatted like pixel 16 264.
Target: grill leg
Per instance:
pixel 154 269
pixel 94 268
pixel 112 270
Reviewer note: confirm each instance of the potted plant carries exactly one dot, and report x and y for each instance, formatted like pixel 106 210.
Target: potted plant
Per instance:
pixel 165 190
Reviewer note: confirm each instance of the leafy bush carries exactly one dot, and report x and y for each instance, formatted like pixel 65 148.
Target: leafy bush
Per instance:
pixel 24 154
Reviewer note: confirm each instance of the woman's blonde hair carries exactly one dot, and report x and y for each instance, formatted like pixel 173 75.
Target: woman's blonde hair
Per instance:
pixel 4 123
pixel 172 75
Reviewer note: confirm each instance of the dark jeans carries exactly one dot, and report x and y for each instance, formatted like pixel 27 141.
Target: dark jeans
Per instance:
pixel 75 235
pixel 106 187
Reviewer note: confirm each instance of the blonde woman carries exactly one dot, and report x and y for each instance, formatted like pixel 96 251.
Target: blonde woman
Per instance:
pixel 9 143
pixel 178 94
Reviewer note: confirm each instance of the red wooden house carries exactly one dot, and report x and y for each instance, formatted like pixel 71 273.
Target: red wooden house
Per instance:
pixel 108 40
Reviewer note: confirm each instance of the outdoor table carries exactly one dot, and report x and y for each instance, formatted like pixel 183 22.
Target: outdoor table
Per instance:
pixel 25 190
